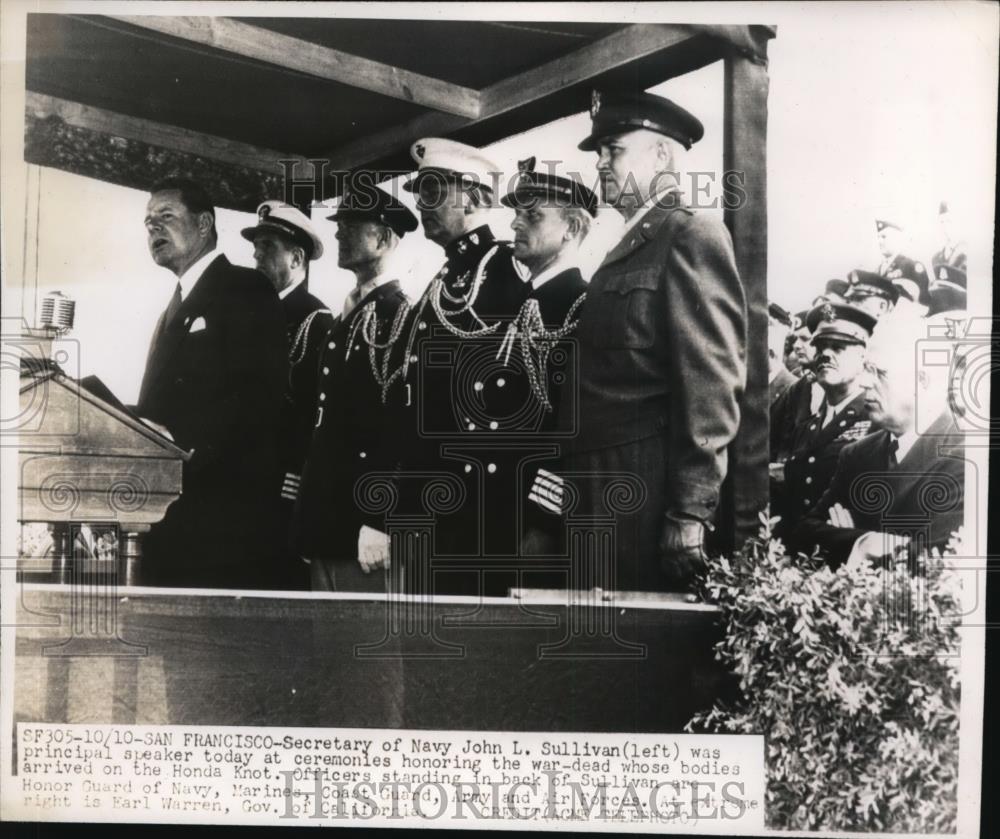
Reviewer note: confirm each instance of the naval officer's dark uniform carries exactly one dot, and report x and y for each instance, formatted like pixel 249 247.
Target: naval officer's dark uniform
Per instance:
pixel 348 438
pixel 458 409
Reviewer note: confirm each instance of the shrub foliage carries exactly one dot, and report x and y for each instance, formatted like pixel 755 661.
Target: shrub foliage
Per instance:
pixel 852 676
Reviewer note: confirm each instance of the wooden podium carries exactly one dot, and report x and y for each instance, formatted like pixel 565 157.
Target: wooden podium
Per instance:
pixel 86 460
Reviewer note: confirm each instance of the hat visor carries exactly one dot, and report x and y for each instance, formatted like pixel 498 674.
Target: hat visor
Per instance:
pixel 840 337
pixel 249 232
pixel 591 143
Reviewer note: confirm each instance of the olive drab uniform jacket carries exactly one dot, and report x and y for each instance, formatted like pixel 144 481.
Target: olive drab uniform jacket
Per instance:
pixel 662 347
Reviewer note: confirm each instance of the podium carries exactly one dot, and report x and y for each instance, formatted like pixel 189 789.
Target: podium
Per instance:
pixel 85 460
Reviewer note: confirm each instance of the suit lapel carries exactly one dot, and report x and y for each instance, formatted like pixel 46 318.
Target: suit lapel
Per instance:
pixel 169 336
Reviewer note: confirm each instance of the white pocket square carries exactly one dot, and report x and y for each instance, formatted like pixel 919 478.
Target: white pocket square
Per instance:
pixel 197 325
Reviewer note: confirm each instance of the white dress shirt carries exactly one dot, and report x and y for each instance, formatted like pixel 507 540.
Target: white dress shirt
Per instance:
pixel 194 272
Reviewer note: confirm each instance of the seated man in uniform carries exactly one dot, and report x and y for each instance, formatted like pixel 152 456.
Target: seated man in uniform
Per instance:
pixel 840 335
pixel 779 379
pixel 899 490
pixel 872 292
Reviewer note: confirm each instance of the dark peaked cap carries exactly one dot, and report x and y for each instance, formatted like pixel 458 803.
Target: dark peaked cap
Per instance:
pixel 376 204
pixel 551 190
pixel 615 112
pixel 841 322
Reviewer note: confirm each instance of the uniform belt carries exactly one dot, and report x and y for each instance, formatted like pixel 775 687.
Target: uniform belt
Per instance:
pixel 600 430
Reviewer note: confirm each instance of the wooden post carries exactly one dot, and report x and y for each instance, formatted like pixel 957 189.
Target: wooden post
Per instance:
pixel 745 152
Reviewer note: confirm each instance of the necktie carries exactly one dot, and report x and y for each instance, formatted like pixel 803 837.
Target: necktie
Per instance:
pixel 173 306
pixel 893 449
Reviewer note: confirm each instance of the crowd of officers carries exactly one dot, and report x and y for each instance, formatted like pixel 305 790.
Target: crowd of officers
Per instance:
pixel 846 387
pixel 511 401
pixel 454 444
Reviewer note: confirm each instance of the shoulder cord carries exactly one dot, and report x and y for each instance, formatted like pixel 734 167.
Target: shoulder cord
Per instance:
pixel 301 343
pixel 537 343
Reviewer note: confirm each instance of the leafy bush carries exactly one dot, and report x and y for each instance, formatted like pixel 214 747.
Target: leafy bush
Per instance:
pixel 852 677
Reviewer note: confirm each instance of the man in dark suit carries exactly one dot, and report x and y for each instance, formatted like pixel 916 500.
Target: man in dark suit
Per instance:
pixel 350 422
pixel 662 340
pixel 552 216
pixel 840 335
pixel 899 490
pixel 284 244
pixel 214 379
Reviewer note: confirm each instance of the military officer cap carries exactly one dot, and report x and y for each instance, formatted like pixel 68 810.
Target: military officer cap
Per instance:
pixel 374 204
pixel 776 312
pixel 550 190
pixel 882 223
pixel 948 290
pixel 837 286
pixel 799 320
pixel 278 217
pixel 447 159
pixel 911 280
pixel 869 284
pixel 617 111
pixel 841 322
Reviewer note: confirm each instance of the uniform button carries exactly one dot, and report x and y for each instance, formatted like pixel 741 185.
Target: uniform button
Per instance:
pixel 494 425
pixel 413 359
pixel 326 371
pixel 806 502
pixel 362 455
pixel 421 325
pixel 812 459
pixel 843 423
pixel 809 480
pixel 478 386
pixel 812 427
pixel 322 397
pixel 471 426
pixel 332 345
pixel 491 468
pixel 468 467
pixel 501 382
pixel 357 347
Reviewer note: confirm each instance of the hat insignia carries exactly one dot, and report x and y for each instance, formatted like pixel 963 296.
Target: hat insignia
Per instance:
pixel 919 268
pixel 827 313
pixel 525 166
pixel 264 211
pixel 854 279
pixel 419 150
pixel 595 103
pixel 943 273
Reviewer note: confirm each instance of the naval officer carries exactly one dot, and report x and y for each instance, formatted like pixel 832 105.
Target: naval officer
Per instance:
pixel 284 244
pixel 346 549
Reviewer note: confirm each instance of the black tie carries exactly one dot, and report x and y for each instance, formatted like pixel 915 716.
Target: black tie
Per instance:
pixel 893 448
pixel 172 307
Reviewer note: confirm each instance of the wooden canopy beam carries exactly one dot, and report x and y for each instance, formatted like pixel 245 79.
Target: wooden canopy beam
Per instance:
pixel 171 137
pixel 625 45
pixel 313 60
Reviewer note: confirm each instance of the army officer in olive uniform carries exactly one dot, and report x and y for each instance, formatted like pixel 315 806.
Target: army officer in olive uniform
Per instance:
pixel 840 335
pixel 662 340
